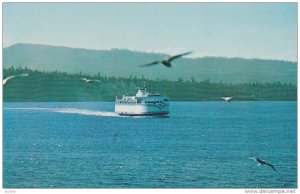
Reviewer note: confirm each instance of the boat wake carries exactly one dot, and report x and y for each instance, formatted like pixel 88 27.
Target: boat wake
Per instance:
pixel 85 112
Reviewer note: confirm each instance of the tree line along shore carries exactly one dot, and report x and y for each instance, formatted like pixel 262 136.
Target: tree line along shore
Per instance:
pixel 40 86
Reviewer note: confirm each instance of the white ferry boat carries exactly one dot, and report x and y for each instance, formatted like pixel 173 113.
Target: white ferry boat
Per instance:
pixel 142 104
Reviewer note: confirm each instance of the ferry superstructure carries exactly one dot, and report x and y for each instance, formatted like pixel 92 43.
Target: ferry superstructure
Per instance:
pixel 142 104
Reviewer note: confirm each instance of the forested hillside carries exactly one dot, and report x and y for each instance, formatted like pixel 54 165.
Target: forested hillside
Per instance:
pixel 60 86
pixel 125 63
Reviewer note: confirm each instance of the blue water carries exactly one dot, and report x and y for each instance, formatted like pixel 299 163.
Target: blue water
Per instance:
pixel 201 145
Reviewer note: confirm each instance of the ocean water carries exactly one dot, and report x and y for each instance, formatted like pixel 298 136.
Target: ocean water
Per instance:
pixel 200 145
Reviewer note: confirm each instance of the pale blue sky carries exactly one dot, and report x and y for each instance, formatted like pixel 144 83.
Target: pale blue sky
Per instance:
pixel 250 30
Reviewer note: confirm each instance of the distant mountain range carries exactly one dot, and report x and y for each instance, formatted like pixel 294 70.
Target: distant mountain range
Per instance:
pixel 124 63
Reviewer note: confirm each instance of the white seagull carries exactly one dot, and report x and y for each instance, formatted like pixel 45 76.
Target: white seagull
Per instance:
pixel 4 82
pixel 227 99
pixel 90 80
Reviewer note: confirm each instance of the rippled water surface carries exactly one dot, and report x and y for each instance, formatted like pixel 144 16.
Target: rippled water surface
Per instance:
pixel 201 145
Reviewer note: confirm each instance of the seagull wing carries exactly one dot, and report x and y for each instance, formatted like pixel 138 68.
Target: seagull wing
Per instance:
pixel 271 166
pixel 180 55
pixel 6 79
pixel 149 64
pixel 252 158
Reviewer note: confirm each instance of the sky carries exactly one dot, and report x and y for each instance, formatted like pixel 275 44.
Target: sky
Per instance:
pixel 248 30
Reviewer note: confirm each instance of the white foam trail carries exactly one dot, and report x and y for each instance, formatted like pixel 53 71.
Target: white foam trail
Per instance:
pixel 86 112
pixel 72 111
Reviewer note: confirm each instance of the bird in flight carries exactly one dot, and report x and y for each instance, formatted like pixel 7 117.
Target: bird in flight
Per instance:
pixel 262 162
pixel 166 62
pixel 227 99
pixel 90 80
pixel 4 82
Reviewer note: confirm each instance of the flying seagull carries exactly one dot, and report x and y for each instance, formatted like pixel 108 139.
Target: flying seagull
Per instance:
pixel 262 162
pixel 90 80
pixel 227 99
pixel 167 62
pixel 4 82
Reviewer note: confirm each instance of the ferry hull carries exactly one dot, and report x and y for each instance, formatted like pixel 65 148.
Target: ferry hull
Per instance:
pixel 141 110
pixel 147 114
